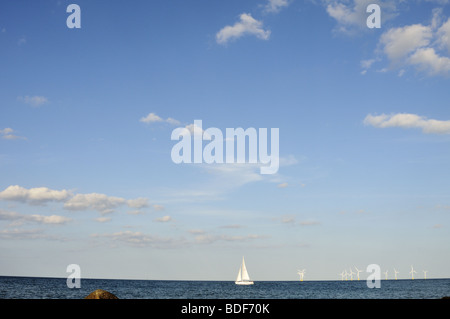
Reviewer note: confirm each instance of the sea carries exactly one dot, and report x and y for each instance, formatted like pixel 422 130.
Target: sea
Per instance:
pixel 57 288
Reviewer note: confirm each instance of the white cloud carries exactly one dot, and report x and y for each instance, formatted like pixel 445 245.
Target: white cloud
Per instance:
pixel 351 16
pixel 427 60
pixel 99 202
pixel 276 5
pixel 246 26
pixel 6 134
pixel 158 207
pixel 137 203
pixel 405 120
pixel 283 185
pixel 399 42
pixel 40 219
pixel 422 47
pixel 36 195
pixel 34 101
pixel 164 219
pixel 153 118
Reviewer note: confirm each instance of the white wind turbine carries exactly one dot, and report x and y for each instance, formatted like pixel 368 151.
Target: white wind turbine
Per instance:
pixel 396 272
pixel 425 274
pixel 385 275
pixel 412 272
pixel 342 276
pixel 351 274
pixel 345 274
pixel 357 272
pixel 301 273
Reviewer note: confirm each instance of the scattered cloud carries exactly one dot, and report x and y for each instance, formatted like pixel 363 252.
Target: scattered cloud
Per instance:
pixel 21 234
pixel 94 201
pixel 138 202
pixel 351 16
pixel 34 196
pixel 6 134
pixel 40 219
pixel 75 202
pixel 247 25
pixel 196 231
pixel 139 239
pixel 405 120
pixel 158 207
pixel 153 118
pixel 274 6
pixel 283 185
pixel 425 48
pixel 103 219
pixel 163 219
pixel 34 101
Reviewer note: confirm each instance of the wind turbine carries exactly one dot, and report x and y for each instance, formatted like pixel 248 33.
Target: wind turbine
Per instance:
pixel 385 275
pixel 412 272
pixel 342 276
pixel 357 272
pixel 396 272
pixel 345 274
pixel 425 274
pixel 351 274
pixel 301 273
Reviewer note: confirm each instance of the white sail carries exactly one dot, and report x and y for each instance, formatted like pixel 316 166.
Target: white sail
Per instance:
pixel 239 277
pixel 243 278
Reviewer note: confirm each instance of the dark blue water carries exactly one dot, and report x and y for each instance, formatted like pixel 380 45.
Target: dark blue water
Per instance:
pixel 56 288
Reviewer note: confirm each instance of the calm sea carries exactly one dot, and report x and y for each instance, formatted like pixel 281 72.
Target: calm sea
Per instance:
pixel 56 288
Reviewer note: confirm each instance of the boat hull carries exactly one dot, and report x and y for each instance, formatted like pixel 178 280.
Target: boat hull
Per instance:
pixel 244 283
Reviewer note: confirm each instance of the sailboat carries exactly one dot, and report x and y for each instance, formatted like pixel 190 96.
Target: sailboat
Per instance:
pixel 242 277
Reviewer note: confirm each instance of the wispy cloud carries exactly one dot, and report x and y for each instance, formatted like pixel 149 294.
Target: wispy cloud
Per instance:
pixel 18 218
pixel 34 101
pixel 20 234
pixel 211 238
pixel 274 6
pixel 405 120
pixel 74 202
pixel 247 25
pixel 163 219
pixel 6 134
pixel 139 239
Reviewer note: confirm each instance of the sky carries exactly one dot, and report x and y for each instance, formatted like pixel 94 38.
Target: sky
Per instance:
pixel 87 114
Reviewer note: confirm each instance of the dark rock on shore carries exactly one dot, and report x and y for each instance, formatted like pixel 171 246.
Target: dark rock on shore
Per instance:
pixel 101 294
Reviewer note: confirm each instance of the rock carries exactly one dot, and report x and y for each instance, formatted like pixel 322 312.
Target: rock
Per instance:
pixel 101 294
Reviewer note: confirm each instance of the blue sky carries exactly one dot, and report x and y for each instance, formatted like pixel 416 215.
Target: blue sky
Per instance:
pixel 364 138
